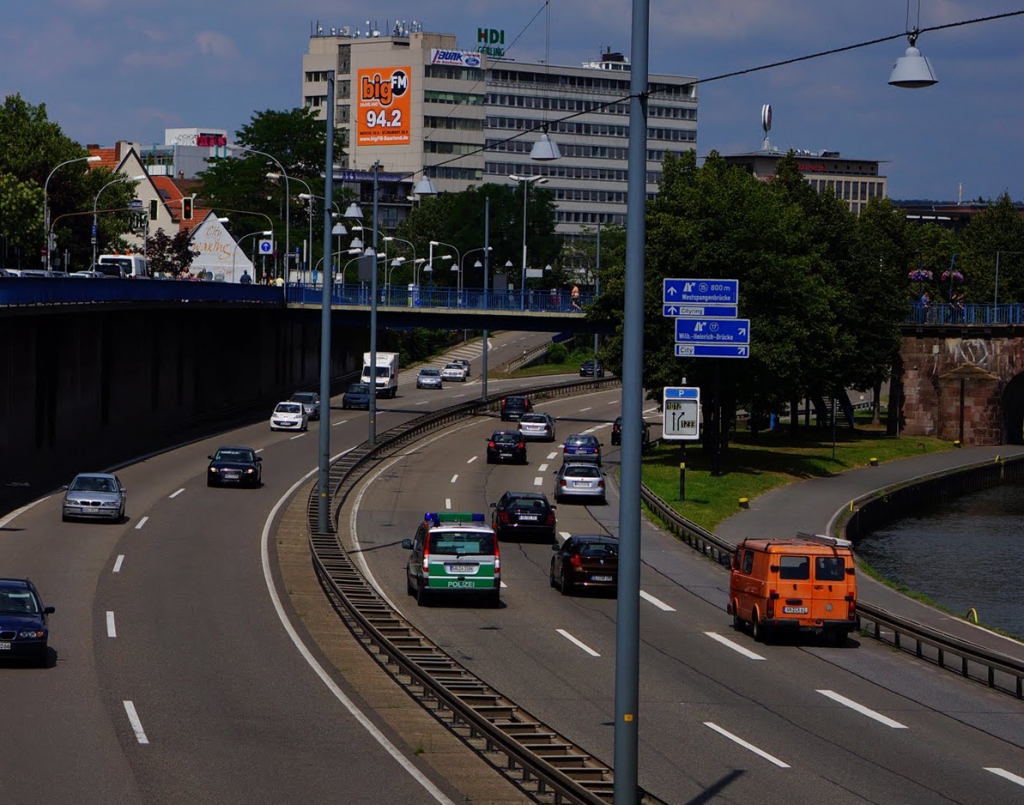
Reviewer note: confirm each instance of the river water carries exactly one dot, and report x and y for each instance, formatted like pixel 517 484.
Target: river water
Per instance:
pixel 963 553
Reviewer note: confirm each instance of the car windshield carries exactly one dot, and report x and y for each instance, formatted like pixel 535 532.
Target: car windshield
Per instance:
pixel 518 402
pixel 289 408
pixel 454 366
pixel 15 600
pixel 93 484
pixel 528 504
pixel 429 372
pixel 581 441
pixel 358 388
pixel 536 419
pixel 597 549
pixel 583 472
pixel 233 455
pixel 505 438
pixel 304 397
pixel 459 543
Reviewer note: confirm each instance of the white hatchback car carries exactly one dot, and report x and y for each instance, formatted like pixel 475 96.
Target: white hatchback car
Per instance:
pixel 289 416
pixel 454 371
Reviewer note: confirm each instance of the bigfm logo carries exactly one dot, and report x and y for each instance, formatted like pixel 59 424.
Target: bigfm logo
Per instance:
pixel 384 91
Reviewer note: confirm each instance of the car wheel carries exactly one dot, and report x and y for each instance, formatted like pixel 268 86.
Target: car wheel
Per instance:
pixel 565 585
pixel 494 599
pixel 737 621
pixel 43 660
pixel 409 589
pixel 422 596
pixel 64 518
pixel 551 575
pixel 760 632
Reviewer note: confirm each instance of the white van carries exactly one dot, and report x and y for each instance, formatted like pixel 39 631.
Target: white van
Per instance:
pixel 125 266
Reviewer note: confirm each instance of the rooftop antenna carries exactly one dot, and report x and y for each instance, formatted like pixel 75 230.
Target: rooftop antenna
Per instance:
pixel 766 125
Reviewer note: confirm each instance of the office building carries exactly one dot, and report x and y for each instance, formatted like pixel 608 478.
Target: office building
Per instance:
pixel 422 104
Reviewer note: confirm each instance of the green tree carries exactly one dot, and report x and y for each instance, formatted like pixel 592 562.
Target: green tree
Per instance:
pixel 999 228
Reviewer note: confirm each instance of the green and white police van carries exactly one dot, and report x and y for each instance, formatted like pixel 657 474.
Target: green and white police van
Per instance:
pixel 454 553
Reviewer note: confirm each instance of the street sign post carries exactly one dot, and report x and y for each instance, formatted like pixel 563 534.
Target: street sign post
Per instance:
pixel 681 406
pixel 687 291
pixel 712 331
pixel 700 311
pixel 712 351
pixel 266 246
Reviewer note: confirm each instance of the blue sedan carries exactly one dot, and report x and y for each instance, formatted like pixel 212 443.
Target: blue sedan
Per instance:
pixel 582 447
pixel 24 633
pixel 357 396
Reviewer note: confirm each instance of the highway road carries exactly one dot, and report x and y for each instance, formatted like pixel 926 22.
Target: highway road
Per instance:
pixel 174 677
pixel 721 716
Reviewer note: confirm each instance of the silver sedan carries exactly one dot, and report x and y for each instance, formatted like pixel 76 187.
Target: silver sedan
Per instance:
pixel 429 378
pixel 582 480
pixel 537 426
pixel 94 496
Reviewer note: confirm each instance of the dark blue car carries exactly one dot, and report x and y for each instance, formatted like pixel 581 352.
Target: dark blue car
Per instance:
pixel 357 396
pixel 582 447
pixel 23 631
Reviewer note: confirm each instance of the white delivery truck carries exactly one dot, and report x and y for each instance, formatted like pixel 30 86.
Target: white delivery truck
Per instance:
pixel 123 266
pixel 387 373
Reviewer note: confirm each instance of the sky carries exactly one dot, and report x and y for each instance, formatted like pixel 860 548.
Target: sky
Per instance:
pixel 110 70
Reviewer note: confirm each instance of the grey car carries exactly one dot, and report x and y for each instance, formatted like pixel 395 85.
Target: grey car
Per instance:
pixel 429 378
pixel 539 426
pixel 310 402
pixel 579 481
pixel 94 496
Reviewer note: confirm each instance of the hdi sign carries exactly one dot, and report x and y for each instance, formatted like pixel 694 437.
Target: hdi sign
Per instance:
pixel 490 41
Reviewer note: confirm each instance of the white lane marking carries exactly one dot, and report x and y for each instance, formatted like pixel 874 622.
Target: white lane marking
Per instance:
pixel 335 424
pixel 133 718
pixel 455 477
pixel 659 604
pixel 590 430
pixel 504 585
pixel 725 641
pixel 5 520
pixel 1013 778
pixel 260 450
pixel 425 402
pixel 456 396
pixel 118 563
pixel 564 535
pixel 145 519
pixel 576 642
pixel 538 481
pixel 296 436
pixel 471 460
pixel 586 409
pixel 111 629
pixel 745 745
pixel 447 503
pixel 175 494
pixel 552 455
pixel 613 402
pixel 349 705
pixel 542 468
pixel 860 708
pixel 601 427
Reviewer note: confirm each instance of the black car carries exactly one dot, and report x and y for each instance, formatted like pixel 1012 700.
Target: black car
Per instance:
pixel 24 634
pixel 591 369
pixel 506 445
pixel 525 514
pixel 514 407
pixel 585 563
pixel 234 465
pixel 357 396
pixel 645 433
pixel 310 401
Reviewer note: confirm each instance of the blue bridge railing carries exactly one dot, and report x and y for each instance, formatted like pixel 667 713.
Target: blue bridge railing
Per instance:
pixel 970 315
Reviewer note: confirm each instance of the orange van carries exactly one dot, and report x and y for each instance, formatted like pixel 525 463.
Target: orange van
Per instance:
pixel 807 582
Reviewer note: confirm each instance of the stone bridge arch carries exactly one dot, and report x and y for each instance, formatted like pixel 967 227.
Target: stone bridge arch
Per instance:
pixel 967 387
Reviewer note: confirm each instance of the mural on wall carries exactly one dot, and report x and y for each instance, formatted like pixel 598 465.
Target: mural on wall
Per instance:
pixel 218 253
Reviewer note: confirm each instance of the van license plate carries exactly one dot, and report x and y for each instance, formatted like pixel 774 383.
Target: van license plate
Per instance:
pixel 461 569
pixel 5 646
pixel 794 610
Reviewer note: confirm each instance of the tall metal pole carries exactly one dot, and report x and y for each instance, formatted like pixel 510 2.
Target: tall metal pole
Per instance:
pixel 597 279
pixel 373 318
pixel 627 627
pixel 487 262
pixel 522 281
pixel 323 509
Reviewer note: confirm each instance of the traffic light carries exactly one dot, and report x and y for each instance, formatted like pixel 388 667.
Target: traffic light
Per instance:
pixel 152 209
pixel 186 208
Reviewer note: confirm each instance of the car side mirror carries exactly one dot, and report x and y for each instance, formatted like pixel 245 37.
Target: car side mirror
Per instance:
pixel 64 488
pixel 849 571
pixel 494 505
pixel 407 544
pixel 259 459
pixel 124 490
pixel 555 547
pixel 210 457
pixel 49 610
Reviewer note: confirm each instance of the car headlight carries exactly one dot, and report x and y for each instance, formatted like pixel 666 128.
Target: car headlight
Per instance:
pixel 31 634
pixel 214 470
pixel 250 471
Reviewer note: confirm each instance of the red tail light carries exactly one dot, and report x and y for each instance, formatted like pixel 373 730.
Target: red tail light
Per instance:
pixel 426 559
pixel 551 519
pixel 562 483
pixel 574 560
pixel 503 516
pixel 770 606
pixel 491 445
pixel 503 403
pixel 520 446
pixel 851 608
pixel 497 558
pixel 600 484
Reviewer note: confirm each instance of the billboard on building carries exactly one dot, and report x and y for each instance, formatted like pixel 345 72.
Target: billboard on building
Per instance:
pixel 456 57
pixel 385 101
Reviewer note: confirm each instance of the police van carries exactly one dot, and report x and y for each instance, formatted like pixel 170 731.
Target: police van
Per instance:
pixel 454 553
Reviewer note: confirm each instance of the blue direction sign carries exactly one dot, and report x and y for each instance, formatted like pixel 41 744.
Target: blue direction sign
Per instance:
pixel 682 413
pixel 712 351
pixel 723 292
pixel 681 393
pixel 700 311
pixel 712 331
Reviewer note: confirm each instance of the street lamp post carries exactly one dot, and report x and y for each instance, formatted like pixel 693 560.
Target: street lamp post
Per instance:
pixel 287 200
pixel 478 264
pixel 527 181
pixel 323 509
pixel 264 232
pixel 434 243
pixel 95 206
pixel 46 204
